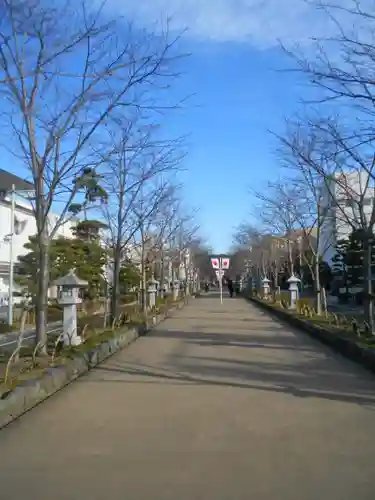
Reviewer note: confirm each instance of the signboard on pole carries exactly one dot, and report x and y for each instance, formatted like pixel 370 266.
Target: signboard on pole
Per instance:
pixel 224 263
pixel 220 265
pixel 215 263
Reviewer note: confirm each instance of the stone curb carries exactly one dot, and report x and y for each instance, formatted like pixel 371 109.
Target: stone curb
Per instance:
pixel 355 351
pixel 30 393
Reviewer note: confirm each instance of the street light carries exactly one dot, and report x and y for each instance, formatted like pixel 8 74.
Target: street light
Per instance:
pixel 9 239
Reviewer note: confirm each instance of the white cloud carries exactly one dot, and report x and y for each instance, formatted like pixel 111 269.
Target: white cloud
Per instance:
pixel 260 22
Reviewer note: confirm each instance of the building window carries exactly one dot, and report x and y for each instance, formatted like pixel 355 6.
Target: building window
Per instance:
pixel 349 203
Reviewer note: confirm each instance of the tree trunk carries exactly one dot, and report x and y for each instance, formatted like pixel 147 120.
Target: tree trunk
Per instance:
pixel 290 258
pixel 115 295
pixel 324 297
pixel 187 281
pixel 41 304
pixel 162 278
pixel 144 289
pixel 106 304
pixel 21 334
pixel 276 275
pixel 318 292
pixel 367 282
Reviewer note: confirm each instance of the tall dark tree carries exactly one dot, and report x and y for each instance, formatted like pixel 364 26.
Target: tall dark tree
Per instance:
pixel 349 260
pixel 86 257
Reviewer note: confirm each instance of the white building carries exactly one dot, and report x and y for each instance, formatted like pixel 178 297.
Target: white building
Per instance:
pixel 25 226
pixel 341 198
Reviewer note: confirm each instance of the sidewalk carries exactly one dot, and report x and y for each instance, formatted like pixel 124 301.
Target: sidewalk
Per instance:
pixel 219 402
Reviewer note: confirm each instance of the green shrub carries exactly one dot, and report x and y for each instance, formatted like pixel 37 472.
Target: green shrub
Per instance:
pixel 302 303
pixel 344 298
pixel 355 327
pixel 90 306
pixel 335 319
pixel 129 298
pixel 367 329
pixel 281 296
pixel 5 328
pixel 344 320
pixel 54 313
pixel 360 298
pixel 159 301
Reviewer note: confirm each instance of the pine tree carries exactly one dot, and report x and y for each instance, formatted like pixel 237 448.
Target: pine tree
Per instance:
pixel 86 257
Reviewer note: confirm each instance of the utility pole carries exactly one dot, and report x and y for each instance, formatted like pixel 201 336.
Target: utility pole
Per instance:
pixel 11 258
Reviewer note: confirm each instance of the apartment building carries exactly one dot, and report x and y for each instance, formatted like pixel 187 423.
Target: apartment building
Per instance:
pixel 24 225
pixel 344 198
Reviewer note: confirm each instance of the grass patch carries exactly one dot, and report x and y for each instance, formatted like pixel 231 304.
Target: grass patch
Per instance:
pixel 31 367
pixel 335 324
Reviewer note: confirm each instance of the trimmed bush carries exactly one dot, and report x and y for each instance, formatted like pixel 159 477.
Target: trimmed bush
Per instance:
pixel 129 298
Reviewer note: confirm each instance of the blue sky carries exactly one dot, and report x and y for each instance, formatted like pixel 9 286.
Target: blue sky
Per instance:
pixel 240 97
pixel 240 94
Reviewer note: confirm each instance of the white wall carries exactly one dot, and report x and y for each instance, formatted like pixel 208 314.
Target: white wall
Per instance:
pixel 339 216
pixel 23 213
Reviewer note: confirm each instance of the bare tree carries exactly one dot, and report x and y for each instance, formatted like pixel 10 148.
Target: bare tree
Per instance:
pixel 200 255
pixel 262 253
pixel 246 240
pixel 341 174
pixel 342 66
pixel 64 70
pixel 184 240
pixel 302 156
pixel 147 239
pixel 342 72
pixel 168 221
pixel 139 160
pixel 349 181
pixel 279 208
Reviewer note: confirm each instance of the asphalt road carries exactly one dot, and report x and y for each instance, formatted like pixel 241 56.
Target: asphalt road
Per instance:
pixel 217 403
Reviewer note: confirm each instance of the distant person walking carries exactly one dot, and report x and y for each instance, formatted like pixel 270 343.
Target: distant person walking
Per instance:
pixel 230 287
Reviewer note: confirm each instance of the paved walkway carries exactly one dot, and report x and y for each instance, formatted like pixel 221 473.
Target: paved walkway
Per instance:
pixel 218 403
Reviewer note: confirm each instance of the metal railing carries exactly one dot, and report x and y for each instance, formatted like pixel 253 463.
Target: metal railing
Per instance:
pixel 8 340
pixel 11 339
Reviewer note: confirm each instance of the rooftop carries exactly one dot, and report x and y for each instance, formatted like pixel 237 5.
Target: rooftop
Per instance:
pixel 70 280
pixel 7 180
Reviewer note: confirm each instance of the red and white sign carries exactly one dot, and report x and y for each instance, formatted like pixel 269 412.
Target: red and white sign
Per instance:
pixel 224 263
pixel 215 262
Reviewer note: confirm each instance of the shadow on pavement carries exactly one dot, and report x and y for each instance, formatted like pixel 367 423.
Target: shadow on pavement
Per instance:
pixel 237 320
pixel 270 338
pixel 303 371
pixel 154 377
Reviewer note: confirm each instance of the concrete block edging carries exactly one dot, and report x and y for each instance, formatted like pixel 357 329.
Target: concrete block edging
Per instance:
pixel 355 351
pixel 29 393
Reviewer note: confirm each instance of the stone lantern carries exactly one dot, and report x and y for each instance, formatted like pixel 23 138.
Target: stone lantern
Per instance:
pixel 165 286
pixel 68 297
pixel 152 291
pixel 249 285
pixel 176 288
pixel 266 286
pixel 293 291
